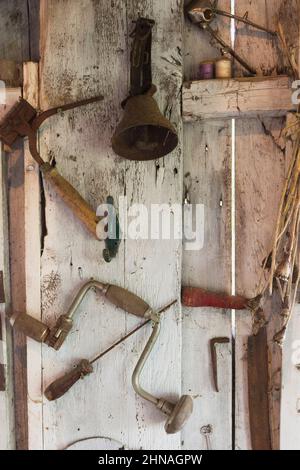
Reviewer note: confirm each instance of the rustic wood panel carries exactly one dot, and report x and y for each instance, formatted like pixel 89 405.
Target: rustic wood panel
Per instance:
pixel 290 423
pixel 14 30
pixel 207 163
pixel 18 42
pixel 6 403
pixel 237 98
pixel 92 61
pixel 290 409
pixel 258 156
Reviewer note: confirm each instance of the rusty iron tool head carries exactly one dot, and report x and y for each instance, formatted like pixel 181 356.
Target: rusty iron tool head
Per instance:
pixel 213 343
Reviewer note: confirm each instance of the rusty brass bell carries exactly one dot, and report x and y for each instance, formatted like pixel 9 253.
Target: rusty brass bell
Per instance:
pixel 144 133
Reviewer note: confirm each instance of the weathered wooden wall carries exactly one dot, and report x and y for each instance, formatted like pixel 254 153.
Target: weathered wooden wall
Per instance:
pixel 227 168
pixel 95 61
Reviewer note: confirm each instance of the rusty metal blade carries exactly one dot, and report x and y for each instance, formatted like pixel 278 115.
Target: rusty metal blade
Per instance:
pixel 258 380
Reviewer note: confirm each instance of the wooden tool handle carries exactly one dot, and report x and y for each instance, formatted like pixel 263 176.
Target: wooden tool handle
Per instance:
pixel 127 301
pixel 194 297
pixel 61 386
pixel 71 198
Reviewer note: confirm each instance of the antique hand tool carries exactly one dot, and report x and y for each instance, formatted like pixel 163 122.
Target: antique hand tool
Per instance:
pixel 258 391
pixel 56 336
pixel 24 121
pixel 214 359
pixel 11 73
pixel 196 297
pixel 203 12
pixel 2 292
pixel 61 386
pixel 144 133
pixel 178 413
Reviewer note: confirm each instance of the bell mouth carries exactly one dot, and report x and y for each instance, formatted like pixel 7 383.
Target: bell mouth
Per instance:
pixel 145 142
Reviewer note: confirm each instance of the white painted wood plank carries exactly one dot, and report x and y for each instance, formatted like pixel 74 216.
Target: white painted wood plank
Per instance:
pixel 237 98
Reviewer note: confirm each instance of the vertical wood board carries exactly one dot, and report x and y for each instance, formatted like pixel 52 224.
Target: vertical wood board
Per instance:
pixel 207 170
pixel 258 155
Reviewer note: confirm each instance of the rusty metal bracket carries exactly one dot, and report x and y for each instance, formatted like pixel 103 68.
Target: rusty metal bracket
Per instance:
pixel 213 343
pixel 113 240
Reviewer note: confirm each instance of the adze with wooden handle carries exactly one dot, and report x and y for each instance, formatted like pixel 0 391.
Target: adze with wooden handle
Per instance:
pixel 258 391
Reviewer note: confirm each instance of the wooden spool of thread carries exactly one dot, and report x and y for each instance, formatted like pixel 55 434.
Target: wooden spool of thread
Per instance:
pixel 207 70
pixel 224 68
